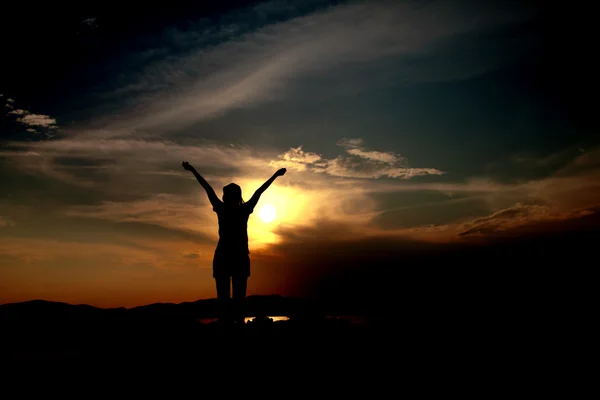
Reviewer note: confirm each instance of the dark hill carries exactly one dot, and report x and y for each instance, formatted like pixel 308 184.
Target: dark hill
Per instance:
pixel 41 310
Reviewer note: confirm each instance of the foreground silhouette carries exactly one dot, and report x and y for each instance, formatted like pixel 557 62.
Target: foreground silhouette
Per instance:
pixel 231 262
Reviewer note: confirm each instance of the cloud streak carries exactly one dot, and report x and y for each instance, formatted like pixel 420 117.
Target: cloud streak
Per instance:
pixel 171 228
pixel 518 216
pixel 6 222
pixel 156 192
pixel 264 65
pixel 359 163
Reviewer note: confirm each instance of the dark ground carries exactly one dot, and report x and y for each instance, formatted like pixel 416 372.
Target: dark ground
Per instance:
pixel 442 347
pixel 443 332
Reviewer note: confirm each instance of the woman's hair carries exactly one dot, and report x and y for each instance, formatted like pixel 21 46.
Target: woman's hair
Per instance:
pixel 232 194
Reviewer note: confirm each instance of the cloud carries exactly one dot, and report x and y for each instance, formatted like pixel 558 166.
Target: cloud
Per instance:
pixel 173 212
pixel 192 255
pixel 355 147
pixel 9 103
pixel 30 119
pixel 308 255
pixel 140 149
pixel 324 243
pixel 522 167
pixel 518 216
pixel 37 124
pixel 141 181
pixel 134 163
pixel 6 222
pixel 265 62
pixel 359 163
pixel 38 120
pixel 419 274
pixel 90 22
pixel 297 159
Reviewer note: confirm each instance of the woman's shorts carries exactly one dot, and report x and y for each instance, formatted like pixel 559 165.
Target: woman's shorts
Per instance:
pixel 230 264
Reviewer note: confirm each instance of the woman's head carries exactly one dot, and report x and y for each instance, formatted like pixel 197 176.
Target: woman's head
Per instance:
pixel 232 194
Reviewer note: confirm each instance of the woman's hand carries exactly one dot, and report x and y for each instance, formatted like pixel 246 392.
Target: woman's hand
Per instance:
pixel 280 172
pixel 186 165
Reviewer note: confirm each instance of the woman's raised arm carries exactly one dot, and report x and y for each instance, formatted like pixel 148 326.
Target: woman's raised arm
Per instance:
pixel 212 196
pixel 256 196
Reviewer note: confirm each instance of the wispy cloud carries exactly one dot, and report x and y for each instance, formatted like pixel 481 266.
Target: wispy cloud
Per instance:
pixel 150 170
pixel 191 255
pixel 176 212
pixel 264 64
pixel 359 163
pixel 519 216
pixel 90 162
pixel 355 147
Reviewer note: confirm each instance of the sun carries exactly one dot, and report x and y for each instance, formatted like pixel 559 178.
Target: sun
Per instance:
pixel 267 213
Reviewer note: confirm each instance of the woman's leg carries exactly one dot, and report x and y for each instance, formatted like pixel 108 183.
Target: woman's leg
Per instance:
pixel 239 283
pixel 223 294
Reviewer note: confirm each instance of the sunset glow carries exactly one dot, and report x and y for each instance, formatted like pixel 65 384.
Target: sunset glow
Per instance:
pixel 406 130
pixel 267 213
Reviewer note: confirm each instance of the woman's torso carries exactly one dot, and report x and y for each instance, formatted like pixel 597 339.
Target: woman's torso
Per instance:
pixel 233 228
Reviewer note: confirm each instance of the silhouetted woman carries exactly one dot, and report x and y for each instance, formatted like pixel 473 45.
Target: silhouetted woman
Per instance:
pixel 231 262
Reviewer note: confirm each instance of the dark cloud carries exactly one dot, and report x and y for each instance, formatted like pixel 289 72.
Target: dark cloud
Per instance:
pixel 90 23
pixel 524 219
pixel 95 50
pixel 96 230
pixel 328 260
pixel 37 191
pixel 191 256
pixel 78 161
pixel 397 275
pixel 442 213
pixel 25 186
pixel 408 209
pixel 526 167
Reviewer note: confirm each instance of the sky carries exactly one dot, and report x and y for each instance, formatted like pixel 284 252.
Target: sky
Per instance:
pixel 417 136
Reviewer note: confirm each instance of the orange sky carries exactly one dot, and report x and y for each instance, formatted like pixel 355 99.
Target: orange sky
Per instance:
pixel 159 249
